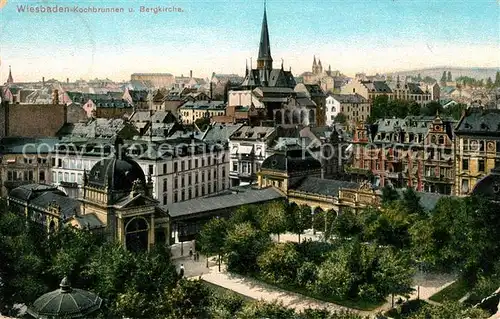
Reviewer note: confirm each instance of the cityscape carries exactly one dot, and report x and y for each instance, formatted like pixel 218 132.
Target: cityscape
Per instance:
pixel 234 159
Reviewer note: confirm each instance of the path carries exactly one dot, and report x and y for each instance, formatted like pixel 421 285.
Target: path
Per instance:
pixel 257 290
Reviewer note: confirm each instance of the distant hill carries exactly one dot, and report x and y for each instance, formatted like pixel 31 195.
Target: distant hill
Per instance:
pixel 437 72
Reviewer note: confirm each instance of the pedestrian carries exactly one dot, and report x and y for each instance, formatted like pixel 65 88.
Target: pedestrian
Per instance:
pixel 190 252
pixel 181 271
pixel 197 256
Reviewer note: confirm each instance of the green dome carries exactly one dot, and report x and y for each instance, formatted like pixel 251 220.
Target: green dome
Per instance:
pixel 65 302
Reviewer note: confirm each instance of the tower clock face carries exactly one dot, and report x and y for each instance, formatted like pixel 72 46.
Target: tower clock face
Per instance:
pixel 437 128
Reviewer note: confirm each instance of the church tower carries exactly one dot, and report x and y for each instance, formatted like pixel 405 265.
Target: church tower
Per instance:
pixel 315 66
pixel 264 60
pixel 10 80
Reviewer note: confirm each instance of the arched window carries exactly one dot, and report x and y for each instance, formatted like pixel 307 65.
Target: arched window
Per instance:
pixel 296 117
pixel 287 117
pixel 303 116
pixel 278 117
pixel 312 117
pixel 433 139
pixel 136 231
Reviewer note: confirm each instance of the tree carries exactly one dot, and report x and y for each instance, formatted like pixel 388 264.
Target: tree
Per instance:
pixel 347 225
pixel 411 201
pixel 389 194
pixel 414 109
pixel 22 262
pixel 432 108
pixel 489 83
pixel 273 219
pixel 261 309
pixel 279 263
pixel 244 243
pixel 341 118
pixel 202 123
pixel 449 310
pixel 299 218
pixel 188 299
pixel 212 238
pixel 395 274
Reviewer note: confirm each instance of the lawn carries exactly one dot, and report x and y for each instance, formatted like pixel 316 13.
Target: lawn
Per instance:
pixel 453 292
pixel 221 290
pixel 353 304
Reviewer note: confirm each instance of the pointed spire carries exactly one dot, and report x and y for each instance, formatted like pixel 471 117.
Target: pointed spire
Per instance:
pixel 282 64
pixel 264 61
pixel 10 80
pixel 329 68
pixel 246 67
pixel 314 61
pixel 319 62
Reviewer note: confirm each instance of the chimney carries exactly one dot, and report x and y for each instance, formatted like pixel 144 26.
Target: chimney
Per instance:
pixel 43 81
pixel 55 97
pixel 211 91
pixel 191 74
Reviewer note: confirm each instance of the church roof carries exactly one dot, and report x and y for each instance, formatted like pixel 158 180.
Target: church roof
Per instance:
pixel 264 46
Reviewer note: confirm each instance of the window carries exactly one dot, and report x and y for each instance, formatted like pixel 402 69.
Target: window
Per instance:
pixel 465 164
pixel 196 163
pixel 196 193
pixel 189 164
pixel 223 172
pixel 480 165
pixel 182 181
pixel 66 177
pixel 203 162
pixel 465 186
pixel 196 178
pixel 176 168
pixel 203 177
pixel 164 184
pixel 165 199
pixel 202 190
pixel 176 197
pixel 209 175
pixel 190 194
pixel 150 169
pixel 176 182
pixel 183 195
pixel 235 166
pixel 182 166
pixel 165 168
pixel 41 176
pixel 189 179
pixel 209 190
pixel 441 140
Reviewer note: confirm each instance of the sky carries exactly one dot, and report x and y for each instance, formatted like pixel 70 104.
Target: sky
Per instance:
pixel 220 35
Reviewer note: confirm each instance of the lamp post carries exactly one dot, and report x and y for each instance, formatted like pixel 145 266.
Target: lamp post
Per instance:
pixel 312 219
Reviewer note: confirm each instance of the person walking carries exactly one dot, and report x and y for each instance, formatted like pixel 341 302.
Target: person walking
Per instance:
pixel 190 252
pixel 197 256
pixel 181 271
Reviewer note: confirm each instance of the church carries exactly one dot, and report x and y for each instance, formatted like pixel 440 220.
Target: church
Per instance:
pixel 274 88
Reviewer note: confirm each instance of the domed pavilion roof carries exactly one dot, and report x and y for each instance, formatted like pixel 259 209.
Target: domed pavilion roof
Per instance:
pixel 65 302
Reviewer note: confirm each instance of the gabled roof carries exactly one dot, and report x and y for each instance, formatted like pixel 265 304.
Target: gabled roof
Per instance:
pixel 319 186
pixel 226 201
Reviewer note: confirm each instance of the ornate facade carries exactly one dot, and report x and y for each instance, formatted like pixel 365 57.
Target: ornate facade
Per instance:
pixel 413 152
pixel 476 149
